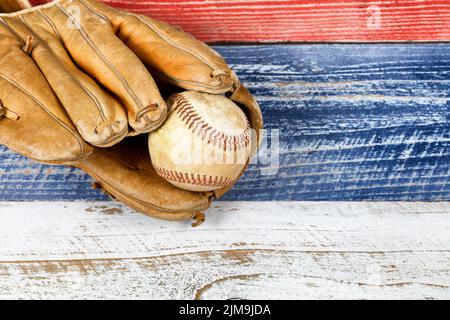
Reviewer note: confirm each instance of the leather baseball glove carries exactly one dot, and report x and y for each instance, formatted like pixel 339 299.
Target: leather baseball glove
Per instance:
pixel 77 77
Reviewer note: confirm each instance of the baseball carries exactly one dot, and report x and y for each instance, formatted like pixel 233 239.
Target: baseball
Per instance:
pixel 204 143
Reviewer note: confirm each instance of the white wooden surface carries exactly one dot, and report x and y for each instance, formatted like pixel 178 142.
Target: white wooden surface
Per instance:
pixel 293 250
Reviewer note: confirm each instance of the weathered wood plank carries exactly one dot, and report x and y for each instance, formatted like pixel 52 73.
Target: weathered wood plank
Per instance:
pixel 297 249
pixel 294 20
pixel 357 122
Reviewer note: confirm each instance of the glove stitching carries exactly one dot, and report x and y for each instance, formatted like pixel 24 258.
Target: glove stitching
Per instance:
pixel 52 25
pixel 97 13
pixel 97 103
pixel 102 57
pixel 40 104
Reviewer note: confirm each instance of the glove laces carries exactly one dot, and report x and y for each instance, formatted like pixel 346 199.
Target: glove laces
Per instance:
pixel 225 77
pixel 220 73
pixel 145 110
pixel 5 113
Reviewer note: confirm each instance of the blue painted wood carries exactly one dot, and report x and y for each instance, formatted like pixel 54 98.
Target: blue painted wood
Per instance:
pixel 357 122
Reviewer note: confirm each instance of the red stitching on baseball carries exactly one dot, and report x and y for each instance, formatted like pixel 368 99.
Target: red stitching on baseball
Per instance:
pixel 194 122
pixel 199 180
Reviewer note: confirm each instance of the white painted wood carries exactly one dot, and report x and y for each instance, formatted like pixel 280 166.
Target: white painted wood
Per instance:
pixel 244 250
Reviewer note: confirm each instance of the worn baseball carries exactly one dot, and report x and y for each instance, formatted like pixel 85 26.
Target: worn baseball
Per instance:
pixel 204 143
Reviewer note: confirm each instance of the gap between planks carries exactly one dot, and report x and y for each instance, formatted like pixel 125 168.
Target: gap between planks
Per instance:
pixel 75 250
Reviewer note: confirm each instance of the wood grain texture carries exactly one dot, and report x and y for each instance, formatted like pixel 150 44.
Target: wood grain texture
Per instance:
pixel 357 122
pixel 294 20
pixel 293 250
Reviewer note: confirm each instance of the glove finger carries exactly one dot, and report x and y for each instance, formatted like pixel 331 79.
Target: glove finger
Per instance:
pixel 32 120
pixel 170 53
pixel 93 45
pixel 99 118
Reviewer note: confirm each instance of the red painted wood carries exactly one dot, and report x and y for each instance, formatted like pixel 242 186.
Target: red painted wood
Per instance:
pixel 308 20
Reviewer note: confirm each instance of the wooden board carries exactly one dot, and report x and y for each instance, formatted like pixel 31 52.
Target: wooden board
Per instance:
pixel 357 122
pixel 293 250
pixel 294 20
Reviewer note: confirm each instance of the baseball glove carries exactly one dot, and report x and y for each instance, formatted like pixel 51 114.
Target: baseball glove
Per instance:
pixel 77 77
